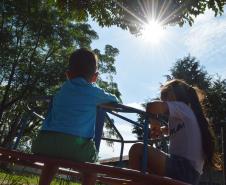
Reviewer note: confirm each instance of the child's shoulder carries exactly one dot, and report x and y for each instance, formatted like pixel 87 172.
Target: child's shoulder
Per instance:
pixel 81 85
pixel 96 88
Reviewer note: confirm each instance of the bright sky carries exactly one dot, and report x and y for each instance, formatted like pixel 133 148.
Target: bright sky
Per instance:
pixel 141 65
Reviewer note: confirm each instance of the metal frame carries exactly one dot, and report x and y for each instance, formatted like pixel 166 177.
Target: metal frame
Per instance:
pixel 102 114
pixel 115 110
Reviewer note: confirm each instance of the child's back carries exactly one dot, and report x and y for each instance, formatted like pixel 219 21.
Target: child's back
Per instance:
pixel 74 108
pixel 69 127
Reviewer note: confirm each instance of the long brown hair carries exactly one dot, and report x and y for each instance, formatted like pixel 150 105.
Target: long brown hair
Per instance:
pixel 189 95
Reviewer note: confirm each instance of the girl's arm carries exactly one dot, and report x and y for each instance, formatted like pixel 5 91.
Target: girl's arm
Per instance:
pixel 157 107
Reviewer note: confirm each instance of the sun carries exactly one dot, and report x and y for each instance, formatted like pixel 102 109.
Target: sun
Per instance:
pixel 153 32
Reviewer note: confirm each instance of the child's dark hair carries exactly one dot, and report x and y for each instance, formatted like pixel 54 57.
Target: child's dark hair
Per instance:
pixel 83 63
pixel 187 94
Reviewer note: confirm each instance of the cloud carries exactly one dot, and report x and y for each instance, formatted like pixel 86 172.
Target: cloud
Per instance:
pixel 207 37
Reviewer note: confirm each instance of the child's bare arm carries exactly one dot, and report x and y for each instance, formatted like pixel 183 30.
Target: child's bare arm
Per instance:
pixel 157 107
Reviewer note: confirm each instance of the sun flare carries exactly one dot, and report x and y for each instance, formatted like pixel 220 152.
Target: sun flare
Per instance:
pixel 153 32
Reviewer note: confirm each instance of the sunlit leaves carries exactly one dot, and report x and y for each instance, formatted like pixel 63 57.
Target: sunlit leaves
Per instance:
pixel 189 69
pixel 132 14
pixel 35 42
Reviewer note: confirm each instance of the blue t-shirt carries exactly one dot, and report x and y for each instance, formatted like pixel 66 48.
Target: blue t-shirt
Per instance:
pixel 74 108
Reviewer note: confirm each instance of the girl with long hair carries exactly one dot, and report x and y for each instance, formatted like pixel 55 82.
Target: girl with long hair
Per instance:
pixel 191 142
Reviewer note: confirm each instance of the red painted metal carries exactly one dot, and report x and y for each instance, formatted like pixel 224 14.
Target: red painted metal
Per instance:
pixel 114 174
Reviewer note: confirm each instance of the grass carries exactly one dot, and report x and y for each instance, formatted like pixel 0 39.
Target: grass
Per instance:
pixel 25 179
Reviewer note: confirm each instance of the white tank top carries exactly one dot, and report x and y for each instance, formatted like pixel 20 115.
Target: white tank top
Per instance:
pixel 185 136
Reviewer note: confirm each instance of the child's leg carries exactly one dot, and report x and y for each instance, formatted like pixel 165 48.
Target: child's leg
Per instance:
pixel 156 159
pixel 48 172
pixel 88 178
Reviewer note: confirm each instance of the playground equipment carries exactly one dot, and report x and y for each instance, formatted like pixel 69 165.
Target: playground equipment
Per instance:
pixel 106 174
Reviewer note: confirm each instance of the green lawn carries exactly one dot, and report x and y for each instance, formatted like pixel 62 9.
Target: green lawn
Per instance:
pixel 16 179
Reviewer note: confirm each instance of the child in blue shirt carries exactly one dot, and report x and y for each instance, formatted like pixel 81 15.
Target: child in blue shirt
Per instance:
pixel 69 127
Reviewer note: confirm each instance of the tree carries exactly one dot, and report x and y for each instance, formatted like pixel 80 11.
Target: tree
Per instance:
pixel 35 42
pixel 137 130
pixel 189 69
pixel 217 100
pixel 215 105
pixel 132 15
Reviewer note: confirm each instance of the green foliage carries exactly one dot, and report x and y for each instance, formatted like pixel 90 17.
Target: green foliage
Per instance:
pixel 35 42
pixel 215 104
pixel 29 179
pixel 137 130
pixel 131 15
pixel 189 69
pixel 106 66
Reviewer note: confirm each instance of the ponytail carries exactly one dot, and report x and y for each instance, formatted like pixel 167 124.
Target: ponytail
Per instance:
pixel 192 96
pixel 208 139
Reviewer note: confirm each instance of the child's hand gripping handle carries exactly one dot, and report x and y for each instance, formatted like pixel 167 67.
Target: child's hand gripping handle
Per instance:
pixel 157 130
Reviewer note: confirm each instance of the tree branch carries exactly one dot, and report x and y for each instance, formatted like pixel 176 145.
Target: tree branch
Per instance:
pixel 12 73
pixel 3 17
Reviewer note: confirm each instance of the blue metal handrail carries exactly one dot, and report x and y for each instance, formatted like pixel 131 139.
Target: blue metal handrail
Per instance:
pixel 102 114
pixel 125 109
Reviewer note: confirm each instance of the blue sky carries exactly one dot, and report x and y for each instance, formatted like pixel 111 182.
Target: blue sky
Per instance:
pixel 141 65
